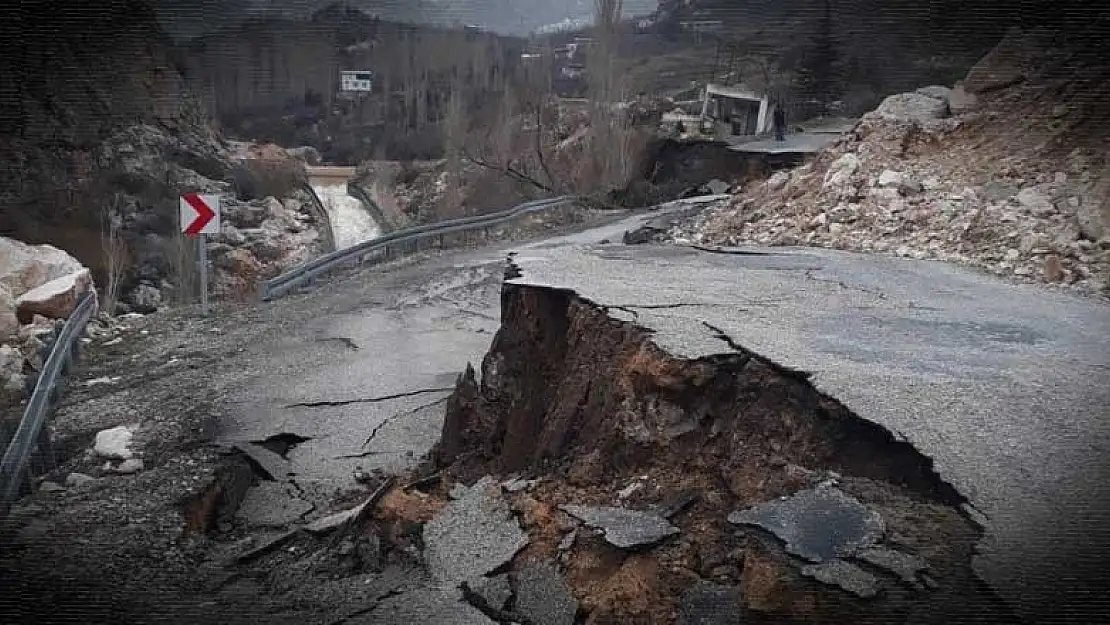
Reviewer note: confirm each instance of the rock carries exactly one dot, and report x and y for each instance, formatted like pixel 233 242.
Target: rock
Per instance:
pixel 11 361
pixel 51 487
pixel 626 529
pixel 1032 200
pixel 79 479
pixel 543 596
pixel 307 153
pixel 146 299
pixel 900 181
pixel 935 91
pixel 711 604
pixel 717 187
pixel 24 267
pixel 55 299
pixel 494 591
pixel 266 250
pixel 960 101
pixel 844 575
pixel 127 467
pixel 243 214
pixel 1053 269
pixel 472 536
pixel 644 234
pixel 911 107
pixel 114 443
pixel 817 524
pixel 841 170
pixel 517 485
pixel 9 324
pixel 1093 213
pixel 38 328
pixel 239 262
pixel 777 180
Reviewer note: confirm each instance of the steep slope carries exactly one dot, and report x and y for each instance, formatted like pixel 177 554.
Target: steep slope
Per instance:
pixel 99 135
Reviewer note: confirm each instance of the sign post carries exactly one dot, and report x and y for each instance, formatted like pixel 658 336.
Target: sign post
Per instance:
pixel 200 216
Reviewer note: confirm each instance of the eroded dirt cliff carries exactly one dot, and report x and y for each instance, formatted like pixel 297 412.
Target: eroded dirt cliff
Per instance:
pixel 598 415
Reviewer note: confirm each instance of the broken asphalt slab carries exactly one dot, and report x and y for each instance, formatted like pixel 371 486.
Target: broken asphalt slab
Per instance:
pixel 1009 401
pixel 817 524
pixel 272 504
pixel 272 466
pixel 844 575
pixel 623 528
pixel 543 596
pixel 474 535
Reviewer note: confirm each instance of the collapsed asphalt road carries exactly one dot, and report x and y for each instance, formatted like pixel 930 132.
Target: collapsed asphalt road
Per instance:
pixel 328 394
pixel 1003 386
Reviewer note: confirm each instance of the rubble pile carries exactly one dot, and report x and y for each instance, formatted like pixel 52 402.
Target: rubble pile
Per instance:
pixel 1004 172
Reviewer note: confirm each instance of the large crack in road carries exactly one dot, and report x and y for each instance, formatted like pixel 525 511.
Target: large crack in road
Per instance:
pixel 656 434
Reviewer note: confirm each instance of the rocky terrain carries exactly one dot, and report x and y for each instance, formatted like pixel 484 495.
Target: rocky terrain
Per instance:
pixel 99 176
pixel 1006 171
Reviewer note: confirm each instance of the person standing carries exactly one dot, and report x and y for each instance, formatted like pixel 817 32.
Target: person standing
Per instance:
pixel 780 123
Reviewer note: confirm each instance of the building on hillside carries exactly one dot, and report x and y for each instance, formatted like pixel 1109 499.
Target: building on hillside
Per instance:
pixel 356 81
pixel 735 111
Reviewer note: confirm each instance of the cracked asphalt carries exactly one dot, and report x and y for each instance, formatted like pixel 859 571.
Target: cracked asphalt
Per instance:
pixel 1005 386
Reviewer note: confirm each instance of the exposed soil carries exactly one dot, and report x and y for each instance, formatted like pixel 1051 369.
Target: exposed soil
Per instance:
pixel 605 417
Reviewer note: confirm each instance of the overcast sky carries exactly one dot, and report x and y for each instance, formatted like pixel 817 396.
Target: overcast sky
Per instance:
pixel 188 18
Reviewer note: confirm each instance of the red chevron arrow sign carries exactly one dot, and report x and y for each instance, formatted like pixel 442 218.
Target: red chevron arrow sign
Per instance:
pixel 200 214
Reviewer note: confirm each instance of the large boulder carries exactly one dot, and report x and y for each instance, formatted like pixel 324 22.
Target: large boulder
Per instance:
pixel 55 299
pixel 960 100
pixel 24 267
pixel 1093 214
pixel 912 107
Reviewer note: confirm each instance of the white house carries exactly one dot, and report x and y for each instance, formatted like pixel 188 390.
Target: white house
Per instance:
pixel 357 80
pixel 736 110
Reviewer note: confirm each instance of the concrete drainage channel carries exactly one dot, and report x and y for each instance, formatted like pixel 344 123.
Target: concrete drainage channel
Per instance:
pixel 610 482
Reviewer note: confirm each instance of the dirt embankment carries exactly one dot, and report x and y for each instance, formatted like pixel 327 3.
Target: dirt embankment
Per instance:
pixel 606 418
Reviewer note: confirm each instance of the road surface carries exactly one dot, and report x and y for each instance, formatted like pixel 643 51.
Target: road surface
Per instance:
pixel 1004 386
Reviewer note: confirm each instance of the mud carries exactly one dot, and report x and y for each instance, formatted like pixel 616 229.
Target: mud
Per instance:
pixel 589 406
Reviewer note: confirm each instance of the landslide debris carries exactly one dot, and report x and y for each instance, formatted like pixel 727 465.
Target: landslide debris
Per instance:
pixel 1005 171
pixel 777 500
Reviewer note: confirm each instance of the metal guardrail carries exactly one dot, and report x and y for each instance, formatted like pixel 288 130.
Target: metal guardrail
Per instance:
pixel 297 276
pixel 31 431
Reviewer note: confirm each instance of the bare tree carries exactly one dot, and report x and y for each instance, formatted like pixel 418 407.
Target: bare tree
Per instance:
pixel 612 142
pixel 114 252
